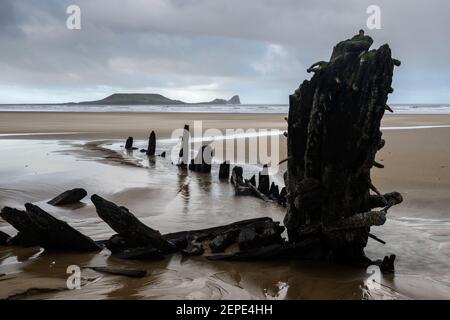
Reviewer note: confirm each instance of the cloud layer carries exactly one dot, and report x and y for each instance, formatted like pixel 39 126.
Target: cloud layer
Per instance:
pixel 197 50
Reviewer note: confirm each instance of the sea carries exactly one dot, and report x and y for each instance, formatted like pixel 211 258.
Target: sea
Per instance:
pixel 199 108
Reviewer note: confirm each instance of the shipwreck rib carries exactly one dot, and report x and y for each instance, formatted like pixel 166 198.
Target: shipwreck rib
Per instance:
pixel 334 134
pixel 132 232
pixel 38 228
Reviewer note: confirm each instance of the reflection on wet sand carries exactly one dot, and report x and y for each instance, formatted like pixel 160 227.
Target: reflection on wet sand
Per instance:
pixel 171 199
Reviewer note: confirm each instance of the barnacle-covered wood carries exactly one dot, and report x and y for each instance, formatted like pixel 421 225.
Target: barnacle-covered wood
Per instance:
pixel 333 137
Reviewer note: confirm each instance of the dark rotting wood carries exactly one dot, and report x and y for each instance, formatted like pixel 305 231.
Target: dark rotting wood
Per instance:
pixel 254 191
pixel 283 197
pixel 240 186
pixel 129 228
pixel 129 143
pixel 220 242
pixel 224 171
pixel 185 149
pixel 181 238
pixel 389 109
pixel 305 249
pixel 264 181
pixel 237 176
pixel 202 161
pixel 139 253
pixel 334 135
pixel 387 199
pixel 68 197
pixel 151 144
pixel 274 192
pixel 3 238
pixel 193 249
pixel 38 228
pixel 378 165
pixel 374 237
pixel 252 180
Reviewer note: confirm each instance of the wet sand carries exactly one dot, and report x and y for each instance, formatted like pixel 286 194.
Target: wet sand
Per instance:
pixel 44 154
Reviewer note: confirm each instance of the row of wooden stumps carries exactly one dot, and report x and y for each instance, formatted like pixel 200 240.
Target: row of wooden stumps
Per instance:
pixel 258 238
pixel 268 192
pixel 252 239
pixel 202 162
pixel 151 147
pixel 264 190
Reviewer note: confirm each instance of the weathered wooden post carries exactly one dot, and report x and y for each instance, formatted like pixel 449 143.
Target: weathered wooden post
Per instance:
pixel 263 180
pixel 129 143
pixel 224 171
pixel 185 147
pixel 151 144
pixel 333 137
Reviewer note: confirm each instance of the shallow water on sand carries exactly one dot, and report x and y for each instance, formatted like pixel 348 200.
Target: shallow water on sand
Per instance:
pixel 169 199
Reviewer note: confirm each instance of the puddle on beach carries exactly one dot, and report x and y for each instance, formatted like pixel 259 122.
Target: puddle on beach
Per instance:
pixel 170 199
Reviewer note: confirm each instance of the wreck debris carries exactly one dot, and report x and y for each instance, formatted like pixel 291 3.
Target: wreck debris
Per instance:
pixel 185 147
pixel 3 238
pixel 388 108
pixel 240 186
pixel 282 199
pixel 334 134
pixel 387 265
pixel 247 187
pixel 193 249
pixel 68 197
pixel 181 236
pixel 388 199
pixel 133 237
pixel 374 237
pixel 151 144
pixel 306 249
pixel 248 234
pixel 237 175
pixel 202 162
pixel 139 253
pixel 220 242
pixel 38 228
pixel 264 181
pixel 224 171
pixel 252 180
pixel 274 191
pixel 378 165
pixel 254 191
pixel 129 143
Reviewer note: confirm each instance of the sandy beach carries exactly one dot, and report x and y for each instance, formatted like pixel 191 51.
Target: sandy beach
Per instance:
pixel 46 153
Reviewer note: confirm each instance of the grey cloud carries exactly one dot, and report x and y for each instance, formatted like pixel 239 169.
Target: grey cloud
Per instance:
pixel 257 48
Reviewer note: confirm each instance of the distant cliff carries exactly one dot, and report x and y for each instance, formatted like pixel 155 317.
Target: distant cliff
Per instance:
pixel 234 100
pixel 151 99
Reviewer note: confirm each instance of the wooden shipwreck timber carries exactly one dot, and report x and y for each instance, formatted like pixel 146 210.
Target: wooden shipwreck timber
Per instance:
pixel 333 138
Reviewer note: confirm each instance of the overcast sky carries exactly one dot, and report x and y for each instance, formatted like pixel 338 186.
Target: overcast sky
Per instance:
pixel 197 50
